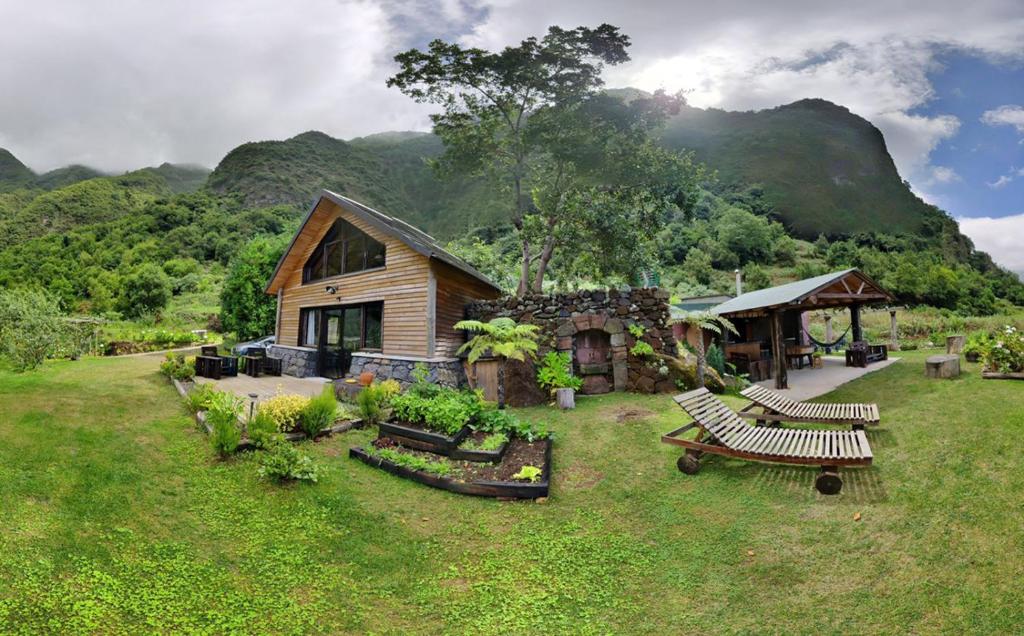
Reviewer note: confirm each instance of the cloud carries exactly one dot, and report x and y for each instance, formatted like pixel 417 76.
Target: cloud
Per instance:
pixel 1001 182
pixel 1008 115
pixel 944 174
pixel 1002 238
pixel 118 85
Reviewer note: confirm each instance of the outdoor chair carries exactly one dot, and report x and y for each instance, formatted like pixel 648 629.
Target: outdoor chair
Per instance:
pixel 720 431
pixel 779 408
pixel 214 364
pixel 258 362
pixel 861 354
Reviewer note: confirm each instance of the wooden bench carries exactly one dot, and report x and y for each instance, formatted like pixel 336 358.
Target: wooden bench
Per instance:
pixel 720 431
pixel 861 354
pixel 779 408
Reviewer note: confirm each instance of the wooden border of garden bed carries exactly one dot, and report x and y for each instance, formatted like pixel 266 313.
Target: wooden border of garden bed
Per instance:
pixel 480 488
pixel 245 444
pixel 420 439
pixel 995 375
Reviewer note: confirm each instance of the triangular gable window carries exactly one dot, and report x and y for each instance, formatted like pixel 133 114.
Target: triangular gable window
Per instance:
pixel 343 250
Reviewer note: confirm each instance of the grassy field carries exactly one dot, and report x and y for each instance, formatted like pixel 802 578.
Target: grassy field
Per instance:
pixel 116 518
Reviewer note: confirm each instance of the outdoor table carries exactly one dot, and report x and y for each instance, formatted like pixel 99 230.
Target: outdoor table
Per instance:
pixel 208 367
pixel 252 365
pixel 797 355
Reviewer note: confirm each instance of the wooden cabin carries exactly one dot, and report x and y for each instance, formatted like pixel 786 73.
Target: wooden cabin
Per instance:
pixel 359 290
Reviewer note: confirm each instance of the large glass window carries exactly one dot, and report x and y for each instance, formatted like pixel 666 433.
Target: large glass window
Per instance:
pixel 309 327
pixel 343 250
pixel 355 327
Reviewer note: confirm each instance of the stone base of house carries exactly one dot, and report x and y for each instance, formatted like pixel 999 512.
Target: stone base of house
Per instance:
pixel 297 361
pixel 443 371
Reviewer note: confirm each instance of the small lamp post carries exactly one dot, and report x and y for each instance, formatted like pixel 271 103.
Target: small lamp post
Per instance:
pixel 252 412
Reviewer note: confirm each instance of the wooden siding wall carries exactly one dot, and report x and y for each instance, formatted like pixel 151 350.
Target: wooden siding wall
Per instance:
pixel 401 284
pixel 454 290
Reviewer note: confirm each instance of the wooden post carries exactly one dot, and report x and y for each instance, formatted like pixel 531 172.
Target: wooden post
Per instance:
pixel 779 351
pixel 855 323
pixel 828 332
pixel 894 341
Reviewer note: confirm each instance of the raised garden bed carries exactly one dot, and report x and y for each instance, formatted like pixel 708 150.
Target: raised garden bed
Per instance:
pixel 479 455
pixel 995 375
pixel 415 436
pixel 480 479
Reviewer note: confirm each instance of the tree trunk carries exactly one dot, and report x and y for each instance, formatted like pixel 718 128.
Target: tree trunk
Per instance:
pixel 501 383
pixel 701 360
pixel 524 274
pixel 542 265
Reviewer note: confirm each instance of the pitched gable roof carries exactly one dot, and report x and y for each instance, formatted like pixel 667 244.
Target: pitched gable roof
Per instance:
pixel 802 291
pixel 416 239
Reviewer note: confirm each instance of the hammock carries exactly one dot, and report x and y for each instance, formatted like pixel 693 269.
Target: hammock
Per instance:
pixel 827 345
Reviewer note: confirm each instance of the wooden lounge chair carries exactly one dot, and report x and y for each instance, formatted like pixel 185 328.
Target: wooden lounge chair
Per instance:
pixel 722 432
pixel 779 408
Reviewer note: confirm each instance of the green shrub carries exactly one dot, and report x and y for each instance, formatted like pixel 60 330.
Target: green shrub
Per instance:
pixel 492 442
pixel 283 462
pixel 1005 352
pixel 177 367
pixel 262 430
pixel 369 401
pixel 286 410
pixel 715 358
pixel 200 396
pixel 30 326
pixel 555 372
pixel 318 413
pixel 222 416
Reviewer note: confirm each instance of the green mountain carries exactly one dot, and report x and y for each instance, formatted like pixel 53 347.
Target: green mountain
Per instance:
pixel 66 176
pixel 824 169
pixel 180 178
pixel 13 173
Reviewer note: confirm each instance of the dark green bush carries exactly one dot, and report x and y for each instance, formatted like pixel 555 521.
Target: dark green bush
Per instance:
pixel 319 412
pixel 283 462
pixel 222 416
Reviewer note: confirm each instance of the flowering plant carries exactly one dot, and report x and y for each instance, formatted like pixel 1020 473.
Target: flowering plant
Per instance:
pixel 1005 352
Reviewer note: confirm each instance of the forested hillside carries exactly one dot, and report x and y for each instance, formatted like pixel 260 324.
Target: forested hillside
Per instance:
pixel 796 191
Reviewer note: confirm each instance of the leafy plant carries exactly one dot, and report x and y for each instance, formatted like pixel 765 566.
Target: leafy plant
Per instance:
pixel 414 462
pixel 503 338
pixel 222 414
pixel 283 462
pixel 319 412
pixel 370 402
pixel 262 430
pixel 716 358
pixel 705 321
pixel 447 412
pixel 177 367
pixel 642 349
pixel 200 396
pixel 1005 353
pixel 636 330
pixel 555 372
pixel 286 410
pixel 528 473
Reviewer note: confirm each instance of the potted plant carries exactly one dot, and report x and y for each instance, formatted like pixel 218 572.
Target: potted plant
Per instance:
pixel 817 359
pixel 976 345
pixel 555 374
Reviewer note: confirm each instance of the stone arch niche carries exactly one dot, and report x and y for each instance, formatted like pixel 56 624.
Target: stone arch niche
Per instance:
pixel 597 346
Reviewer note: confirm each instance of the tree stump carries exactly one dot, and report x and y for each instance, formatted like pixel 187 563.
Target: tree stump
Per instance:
pixel 955 344
pixel 943 366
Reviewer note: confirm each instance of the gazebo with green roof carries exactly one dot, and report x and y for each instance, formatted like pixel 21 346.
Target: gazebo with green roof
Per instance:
pixel 849 288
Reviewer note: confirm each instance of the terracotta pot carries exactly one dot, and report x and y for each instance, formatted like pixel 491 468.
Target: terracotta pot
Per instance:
pixel 366 378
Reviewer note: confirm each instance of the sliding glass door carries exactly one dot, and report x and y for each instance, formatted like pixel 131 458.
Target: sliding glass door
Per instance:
pixel 336 332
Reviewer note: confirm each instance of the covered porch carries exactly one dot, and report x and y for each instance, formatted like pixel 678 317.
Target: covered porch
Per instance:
pixel 773 330
pixel 808 383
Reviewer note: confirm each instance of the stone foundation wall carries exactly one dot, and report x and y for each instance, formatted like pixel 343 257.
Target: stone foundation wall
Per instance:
pixel 295 361
pixel 561 316
pixel 446 372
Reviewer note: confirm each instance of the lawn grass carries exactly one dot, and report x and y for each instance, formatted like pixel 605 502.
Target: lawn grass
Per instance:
pixel 116 518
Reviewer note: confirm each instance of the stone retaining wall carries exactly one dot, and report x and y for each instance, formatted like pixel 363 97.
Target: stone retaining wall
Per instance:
pixel 446 372
pixel 562 316
pixel 295 361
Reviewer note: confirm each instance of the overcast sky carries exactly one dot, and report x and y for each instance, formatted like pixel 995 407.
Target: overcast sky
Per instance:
pixel 119 85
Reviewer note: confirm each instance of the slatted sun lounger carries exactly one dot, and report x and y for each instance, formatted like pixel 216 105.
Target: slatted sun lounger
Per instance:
pixel 779 408
pixel 720 431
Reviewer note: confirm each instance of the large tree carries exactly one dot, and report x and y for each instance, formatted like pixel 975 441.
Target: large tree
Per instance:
pixel 578 163
pixel 244 307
